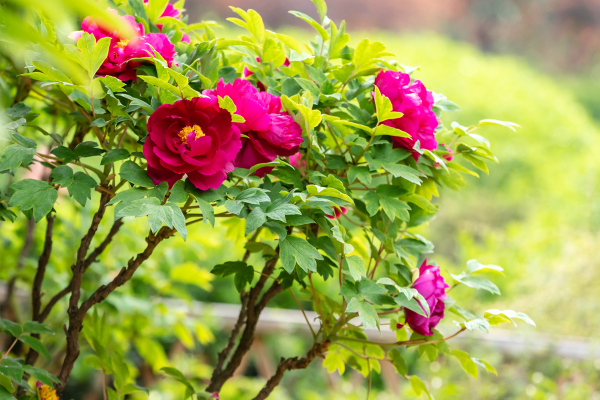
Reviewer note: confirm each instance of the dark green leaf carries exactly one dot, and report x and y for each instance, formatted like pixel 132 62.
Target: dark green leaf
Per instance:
pixel 62 175
pixel 36 327
pixel 114 155
pixel 33 194
pixel 133 173
pixel 297 250
pixel 36 345
pixel 81 187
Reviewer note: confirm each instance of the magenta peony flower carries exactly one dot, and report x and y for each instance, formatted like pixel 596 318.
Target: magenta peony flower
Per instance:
pixel 297 161
pixel 122 50
pixel 270 131
pixel 433 288
pixel 338 213
pixel 416 103
pixel 194 137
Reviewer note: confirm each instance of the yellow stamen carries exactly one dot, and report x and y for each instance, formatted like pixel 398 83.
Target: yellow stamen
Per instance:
pixel 47 393
pixel 183 134
pixel 122 43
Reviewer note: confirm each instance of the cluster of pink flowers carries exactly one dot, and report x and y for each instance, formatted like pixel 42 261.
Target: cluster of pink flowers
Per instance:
pixel 416 103
pixel 122 52
pixel 197 138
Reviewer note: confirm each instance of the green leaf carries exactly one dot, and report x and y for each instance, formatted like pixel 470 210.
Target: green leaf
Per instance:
pixel 334 362
pixel 6 388
pixel 161 84
pixel 17 111
pixel 395 208
pixel 133 173
pixel 403 171
pixel 11 327
pixel 228 74
pixel 466 362
pixel 397 360
pixel 207 210
pixel 366 312
pixel 312 23
pixel 33 194
pixel 297 250
pixel 410 303
pixel 36 327
pixel 371 200
pixel 362 173
pixel 314 190
pixel 356 266
pixel 36 345
pixel 114 84
pixel 476 282
pixel 114 155
pixel 253 196
pixel 485 365
pixel 88 53
pixel 129 195
pixel 12 369
pixel 244 273
pixel 255 219
pixel 178 193
pixel 18 154
pixel 62 175
pixel 322 10
pixel 87 149
pixel 475 267
pixel 272 53
pixel 41 375
pixel 390 131
pixel 509 125
pixel 178 376
pixel 419 387
pixel 496 317
pixel 81 187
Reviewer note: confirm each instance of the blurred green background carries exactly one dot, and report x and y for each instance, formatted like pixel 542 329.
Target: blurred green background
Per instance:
pixel 536 214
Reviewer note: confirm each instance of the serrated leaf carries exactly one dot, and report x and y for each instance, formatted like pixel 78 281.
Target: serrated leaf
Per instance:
pixel 33 194
pixel 255 220
pixel 365 311
pixel 62 175
pixel 356 266
pixel 334 362
pixel 81 187
pixel 297 250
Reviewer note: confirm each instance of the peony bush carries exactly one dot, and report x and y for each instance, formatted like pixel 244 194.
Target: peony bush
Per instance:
pixel 330 155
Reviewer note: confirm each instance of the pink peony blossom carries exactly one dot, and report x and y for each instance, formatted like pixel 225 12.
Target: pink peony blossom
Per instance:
pixel 432 286
pixel 338 213
pixel 194 137
pixel 416 103
pixel 122 50
pixel 297 161
pixel 270 131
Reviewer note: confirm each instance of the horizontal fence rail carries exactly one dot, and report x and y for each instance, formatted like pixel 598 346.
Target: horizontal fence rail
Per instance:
pixel 288 320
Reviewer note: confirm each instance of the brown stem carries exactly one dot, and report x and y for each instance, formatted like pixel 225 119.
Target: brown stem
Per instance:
pixel 77 315
pixel 98 250
pixel 234 334
pixel 36 292
pixel 75 322
pixel 287 364
pixel 253 312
